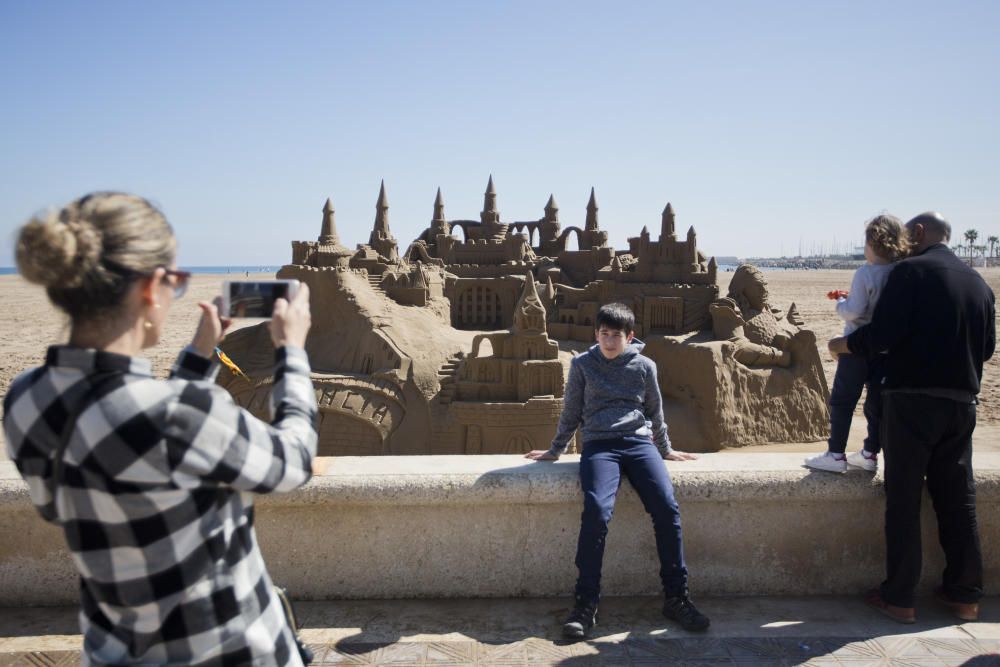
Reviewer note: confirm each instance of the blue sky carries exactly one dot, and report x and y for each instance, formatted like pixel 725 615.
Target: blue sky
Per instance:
pixel 766 124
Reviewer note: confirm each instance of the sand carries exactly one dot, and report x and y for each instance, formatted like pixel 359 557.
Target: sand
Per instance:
pixel 30 323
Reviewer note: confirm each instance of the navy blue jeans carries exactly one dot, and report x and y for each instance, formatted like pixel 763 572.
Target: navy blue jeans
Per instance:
pixel 854 372
pixel 602 466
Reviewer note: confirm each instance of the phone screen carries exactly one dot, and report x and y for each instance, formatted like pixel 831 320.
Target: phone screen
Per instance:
pixel 255 299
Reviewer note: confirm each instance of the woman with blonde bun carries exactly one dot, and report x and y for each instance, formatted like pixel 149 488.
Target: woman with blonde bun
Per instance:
pixel 151 480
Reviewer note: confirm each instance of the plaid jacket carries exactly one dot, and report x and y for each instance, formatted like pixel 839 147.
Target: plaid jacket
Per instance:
pixel 156 500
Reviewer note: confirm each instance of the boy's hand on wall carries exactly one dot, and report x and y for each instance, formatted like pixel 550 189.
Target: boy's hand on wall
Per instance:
pixel 540 455
pixel 675 455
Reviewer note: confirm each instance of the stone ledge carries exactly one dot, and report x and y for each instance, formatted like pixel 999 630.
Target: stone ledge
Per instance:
pixel 500 526
pixel 430 480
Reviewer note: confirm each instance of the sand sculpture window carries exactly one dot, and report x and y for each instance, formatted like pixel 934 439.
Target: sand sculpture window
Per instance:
pixel 479 306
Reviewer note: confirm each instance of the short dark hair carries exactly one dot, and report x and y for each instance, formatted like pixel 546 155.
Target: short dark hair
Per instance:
pixel 616 316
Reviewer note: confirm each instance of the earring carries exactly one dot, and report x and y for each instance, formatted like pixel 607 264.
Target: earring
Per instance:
pixel 147 324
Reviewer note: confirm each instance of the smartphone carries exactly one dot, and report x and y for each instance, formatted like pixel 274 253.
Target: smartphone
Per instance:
pixel 255 298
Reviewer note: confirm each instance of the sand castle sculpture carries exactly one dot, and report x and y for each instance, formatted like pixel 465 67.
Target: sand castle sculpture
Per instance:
pixel 462 345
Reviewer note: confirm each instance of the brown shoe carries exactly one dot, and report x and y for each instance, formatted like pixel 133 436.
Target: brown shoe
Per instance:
pixel 907 615
pixel 966 611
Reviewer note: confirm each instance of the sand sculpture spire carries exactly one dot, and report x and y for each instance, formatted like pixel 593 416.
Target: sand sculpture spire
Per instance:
pixel 490 212
pixel 439 207
pixel 381 215
pixel 667 226
pixel 529 313
pixel 591 225
pixel 439 225
pixel 552 209
pixel 328 232
pixel 381 238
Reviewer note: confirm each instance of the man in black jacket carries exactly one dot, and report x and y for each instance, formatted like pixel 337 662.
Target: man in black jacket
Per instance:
pixel 936 321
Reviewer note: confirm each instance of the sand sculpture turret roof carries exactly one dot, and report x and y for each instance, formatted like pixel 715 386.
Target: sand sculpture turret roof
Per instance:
pixel 381 229
pixel 329 240
pixel 439 206
pixel 328 232
pixel 667 225
pixel 490 198
pixel 591 224
pixel 551 205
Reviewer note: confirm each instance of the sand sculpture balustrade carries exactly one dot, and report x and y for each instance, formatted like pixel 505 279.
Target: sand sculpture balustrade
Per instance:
pixel 461 343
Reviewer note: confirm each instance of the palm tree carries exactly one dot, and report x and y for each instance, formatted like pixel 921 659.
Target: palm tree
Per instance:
pixel 993 241
pixel 971 237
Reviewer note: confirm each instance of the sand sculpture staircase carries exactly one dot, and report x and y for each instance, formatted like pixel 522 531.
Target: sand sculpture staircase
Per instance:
pixel 447 376
pixel 375 281
pixel 501 233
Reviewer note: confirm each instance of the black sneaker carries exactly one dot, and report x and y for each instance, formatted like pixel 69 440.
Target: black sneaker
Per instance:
pixel 682 610
pixel 580 620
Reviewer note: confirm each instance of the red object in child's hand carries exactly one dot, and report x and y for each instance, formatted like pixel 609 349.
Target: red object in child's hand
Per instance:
pixel 837 294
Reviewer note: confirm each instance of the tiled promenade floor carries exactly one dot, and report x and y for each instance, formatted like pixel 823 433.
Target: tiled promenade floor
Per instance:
pixel 745 631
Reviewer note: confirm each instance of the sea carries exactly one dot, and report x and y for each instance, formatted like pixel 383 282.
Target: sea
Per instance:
pixel 258 268
pixel 253 268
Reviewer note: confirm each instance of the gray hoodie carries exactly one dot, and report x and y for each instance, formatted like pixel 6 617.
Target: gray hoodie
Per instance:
pixel 612 398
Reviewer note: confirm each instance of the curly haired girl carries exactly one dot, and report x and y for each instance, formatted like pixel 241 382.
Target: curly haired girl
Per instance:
pixel 886 242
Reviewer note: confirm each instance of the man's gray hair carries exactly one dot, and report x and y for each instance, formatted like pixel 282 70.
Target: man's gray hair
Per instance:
pixel 933 222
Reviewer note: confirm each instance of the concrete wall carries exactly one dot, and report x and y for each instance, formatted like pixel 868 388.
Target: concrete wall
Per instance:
pixel 485 526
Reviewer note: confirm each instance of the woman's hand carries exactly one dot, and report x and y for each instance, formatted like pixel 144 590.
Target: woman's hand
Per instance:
pixel 210 329
pixel 675 455
pixel 291 320
pixel 541 455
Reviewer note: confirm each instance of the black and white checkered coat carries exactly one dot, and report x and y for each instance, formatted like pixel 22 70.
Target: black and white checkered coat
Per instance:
pixel 156 500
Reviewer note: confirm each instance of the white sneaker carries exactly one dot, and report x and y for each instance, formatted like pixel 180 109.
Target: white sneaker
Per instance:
pixel 828 461
pixel 861 460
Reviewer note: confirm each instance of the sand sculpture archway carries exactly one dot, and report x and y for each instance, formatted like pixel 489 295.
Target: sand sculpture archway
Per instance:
pixel 564 238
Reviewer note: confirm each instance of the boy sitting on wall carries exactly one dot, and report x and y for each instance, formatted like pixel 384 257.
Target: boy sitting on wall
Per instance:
pixel 613 393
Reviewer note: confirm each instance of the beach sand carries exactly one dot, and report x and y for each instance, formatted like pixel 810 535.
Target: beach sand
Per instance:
pixel 30 324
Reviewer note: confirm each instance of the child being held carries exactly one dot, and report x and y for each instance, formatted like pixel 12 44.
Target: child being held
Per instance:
pixel 886 242
pixel 613 395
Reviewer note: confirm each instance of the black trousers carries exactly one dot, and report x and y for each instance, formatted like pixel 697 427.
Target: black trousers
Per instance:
pixel 925 436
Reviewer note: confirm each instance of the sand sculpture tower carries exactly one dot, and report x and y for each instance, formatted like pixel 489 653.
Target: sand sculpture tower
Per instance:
pixel 549 229
pixel 593 237
pixel 327 250
pixel 381 239
pixel 524 363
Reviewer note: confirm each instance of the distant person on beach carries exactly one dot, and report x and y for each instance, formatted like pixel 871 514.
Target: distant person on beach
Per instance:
pixel 151 480
pixel 612 393
pixel 936 321
pixel 886 242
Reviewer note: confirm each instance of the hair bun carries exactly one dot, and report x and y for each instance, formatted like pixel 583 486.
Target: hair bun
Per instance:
pixel 57 254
